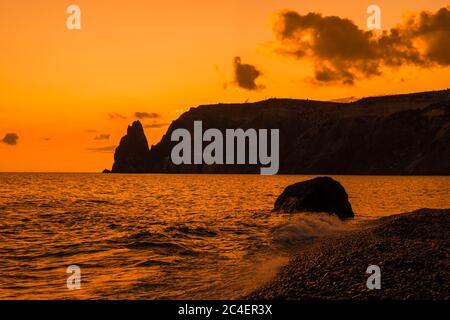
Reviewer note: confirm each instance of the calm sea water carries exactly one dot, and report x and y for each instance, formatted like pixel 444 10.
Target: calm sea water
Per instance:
pixel 170 236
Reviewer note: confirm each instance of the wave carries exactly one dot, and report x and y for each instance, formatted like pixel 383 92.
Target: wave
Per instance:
pixel 195 231
pixel 153 263
pixel 94 201
pixel 157 242
pixel 307 226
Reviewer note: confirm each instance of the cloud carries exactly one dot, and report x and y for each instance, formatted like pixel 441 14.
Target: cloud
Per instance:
pixel 342 53
pixel 115 115
pixel 46 139
pixel 10 139
pixel 146 115
pixel 434 30
pixel 103 136
pixel 107 149
pixel 156 125
pixel 245 75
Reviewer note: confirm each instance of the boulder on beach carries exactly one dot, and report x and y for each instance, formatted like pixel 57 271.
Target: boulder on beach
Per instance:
pixel 322 194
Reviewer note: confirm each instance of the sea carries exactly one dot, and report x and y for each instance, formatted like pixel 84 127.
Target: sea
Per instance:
pixel 158 236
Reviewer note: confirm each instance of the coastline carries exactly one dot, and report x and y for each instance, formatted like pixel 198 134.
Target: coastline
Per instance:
pixel 412 250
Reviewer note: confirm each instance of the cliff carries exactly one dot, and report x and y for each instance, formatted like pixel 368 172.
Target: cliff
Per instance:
pixel 401 134
pixel 132 154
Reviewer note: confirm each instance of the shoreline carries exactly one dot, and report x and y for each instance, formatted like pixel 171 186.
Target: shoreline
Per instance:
pixel 412 250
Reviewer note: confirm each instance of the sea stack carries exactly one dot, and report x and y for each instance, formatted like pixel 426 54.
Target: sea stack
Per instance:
pixel 132 154
pixel 322 194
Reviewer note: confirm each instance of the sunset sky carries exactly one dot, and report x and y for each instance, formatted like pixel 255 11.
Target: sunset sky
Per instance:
pixel 68 95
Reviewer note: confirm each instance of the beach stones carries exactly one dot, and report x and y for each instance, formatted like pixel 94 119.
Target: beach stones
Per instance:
pixel 322 194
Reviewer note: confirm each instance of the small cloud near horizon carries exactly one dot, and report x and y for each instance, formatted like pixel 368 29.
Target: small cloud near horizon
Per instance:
pixel 346 99
pixel 116 115
pixel 155 125
pixel 146 115
pixel 10 139
pixel 103 136
pixel 107 149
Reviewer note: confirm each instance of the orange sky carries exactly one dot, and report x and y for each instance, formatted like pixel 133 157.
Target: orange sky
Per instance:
pixel 57 86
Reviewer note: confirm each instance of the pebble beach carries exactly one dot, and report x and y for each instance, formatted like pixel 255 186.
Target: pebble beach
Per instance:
pixel 411 249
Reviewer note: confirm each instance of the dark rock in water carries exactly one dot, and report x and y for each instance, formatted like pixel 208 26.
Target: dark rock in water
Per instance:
pixel 321 194
pixel 132 154
pixel 106 171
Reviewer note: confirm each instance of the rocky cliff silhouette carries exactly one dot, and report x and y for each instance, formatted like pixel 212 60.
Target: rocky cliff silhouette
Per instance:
pixel 399 134
pixel 132 155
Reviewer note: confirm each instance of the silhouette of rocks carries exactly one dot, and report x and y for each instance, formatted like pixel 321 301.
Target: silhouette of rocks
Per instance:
pixel 322 194
pixel 106 171
pixel 389 135
pixel 132 154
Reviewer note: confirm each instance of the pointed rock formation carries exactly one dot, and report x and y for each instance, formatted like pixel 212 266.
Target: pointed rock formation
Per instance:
pixel 132 154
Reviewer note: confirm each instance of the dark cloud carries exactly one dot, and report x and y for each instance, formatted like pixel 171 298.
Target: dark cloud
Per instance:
pixel 46 139
pixel 10 139
pixel 107 149
pixel 245 75
pixel 115 115
pixel 434 30
pixel 343 53
pixel 146 115
pixel 103 136
pixel 156 125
